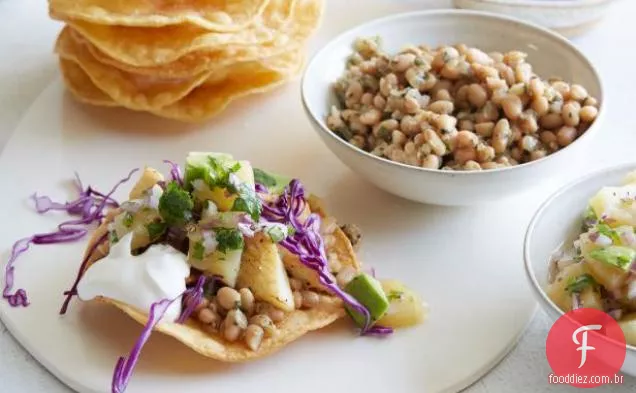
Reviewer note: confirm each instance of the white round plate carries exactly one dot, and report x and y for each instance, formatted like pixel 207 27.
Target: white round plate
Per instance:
pixel 466 262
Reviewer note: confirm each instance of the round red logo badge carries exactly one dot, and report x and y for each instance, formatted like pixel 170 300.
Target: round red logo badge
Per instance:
pixel 585 348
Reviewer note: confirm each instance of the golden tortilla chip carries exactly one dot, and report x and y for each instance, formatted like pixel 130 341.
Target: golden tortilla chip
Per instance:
pixel 208 100
pixel 146 93
pixel 129 90
pixel 81 86
pixel 216 15
pixel 139 46
pixel 303 22
pixel 210 344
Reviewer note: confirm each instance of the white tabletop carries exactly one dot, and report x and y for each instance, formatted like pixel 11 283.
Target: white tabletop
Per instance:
pixel 28 66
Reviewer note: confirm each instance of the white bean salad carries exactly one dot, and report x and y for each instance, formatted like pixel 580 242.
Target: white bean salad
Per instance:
pixel 455 107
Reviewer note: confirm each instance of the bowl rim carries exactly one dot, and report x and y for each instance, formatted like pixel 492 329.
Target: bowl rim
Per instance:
pixel 538 215
pixel 542 4
pixel 394 18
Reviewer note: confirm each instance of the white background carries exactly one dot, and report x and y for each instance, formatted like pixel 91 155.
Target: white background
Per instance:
pixel 27 66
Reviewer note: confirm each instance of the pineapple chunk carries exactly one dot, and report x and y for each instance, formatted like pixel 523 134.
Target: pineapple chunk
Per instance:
pixel 611 277
pixel 263 272
pixel 406 308
pixel 590 298
pixel 628 325
pixel 617 205
pixel 557 292
pixel 148 178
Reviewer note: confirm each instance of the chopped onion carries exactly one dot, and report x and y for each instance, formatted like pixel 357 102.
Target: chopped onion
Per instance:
pixel 631 290
pixel 152 197
pixel 209 241
pixel 602 240
pixel 628 237
pixel 576 301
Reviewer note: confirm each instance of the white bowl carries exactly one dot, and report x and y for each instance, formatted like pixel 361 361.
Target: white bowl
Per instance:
pixel 558 222
pixel 569 17
pixel 549 53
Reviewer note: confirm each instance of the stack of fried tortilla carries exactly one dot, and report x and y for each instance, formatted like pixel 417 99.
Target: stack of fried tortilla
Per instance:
pixel 180 59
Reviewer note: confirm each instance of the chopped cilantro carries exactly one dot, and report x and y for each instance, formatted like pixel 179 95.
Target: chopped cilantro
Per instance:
pixel 394 295
pixel 175 205
pixel 198 251
pixel 247 200
pixel 578 284
pixel 606 230
pixel 291 230
pixel 619 256
pixel 213 173
pixel 128 220
pixel 113 238
pixel 229 239
pixel 264 178
pixel 155 230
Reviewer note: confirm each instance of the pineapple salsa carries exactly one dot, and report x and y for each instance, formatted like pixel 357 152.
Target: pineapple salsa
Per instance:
pixel 600 270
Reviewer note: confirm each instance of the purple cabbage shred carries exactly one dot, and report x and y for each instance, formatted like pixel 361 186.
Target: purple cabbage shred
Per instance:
pixel 175 172
pixel 261 188
pixel 125 366
pixel 89 206
pixel 378 330
pixel 191 299
pixel 307 243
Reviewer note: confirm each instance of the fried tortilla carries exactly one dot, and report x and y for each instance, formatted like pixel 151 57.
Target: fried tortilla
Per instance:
pixel 210 344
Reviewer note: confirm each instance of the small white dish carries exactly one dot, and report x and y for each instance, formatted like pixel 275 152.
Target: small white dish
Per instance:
pixel 549 53
pixel 569 17
pixel 558 222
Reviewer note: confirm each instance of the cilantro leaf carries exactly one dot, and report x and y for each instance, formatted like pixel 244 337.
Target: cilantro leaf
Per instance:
pixel 128 220
pixel 213 173
pixel 113 238
pixel 264 178
pixel 247 201
pixel 155 230
pixel 578 284
pixel 198 251
pixel 175 205
pixel 229 239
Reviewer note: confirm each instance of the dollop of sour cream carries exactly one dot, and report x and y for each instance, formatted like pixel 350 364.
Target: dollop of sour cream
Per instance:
pixel 157 274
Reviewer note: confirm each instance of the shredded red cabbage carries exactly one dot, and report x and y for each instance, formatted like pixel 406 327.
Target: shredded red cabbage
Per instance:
pixel 175 172
pixel 125 366
pixel 307 243
pixel 378 330
pixel 89 206
pixel 260 188
pixel 73 291
pixel 191 299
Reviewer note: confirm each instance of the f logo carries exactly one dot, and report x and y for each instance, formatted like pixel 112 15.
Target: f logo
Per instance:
pixel 583 344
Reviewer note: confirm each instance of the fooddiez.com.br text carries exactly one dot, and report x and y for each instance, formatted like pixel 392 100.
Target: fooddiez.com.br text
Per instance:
pixel 585 379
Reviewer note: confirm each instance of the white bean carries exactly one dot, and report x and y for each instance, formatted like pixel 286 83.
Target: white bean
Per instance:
pixel 254 336
pixel 228 298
